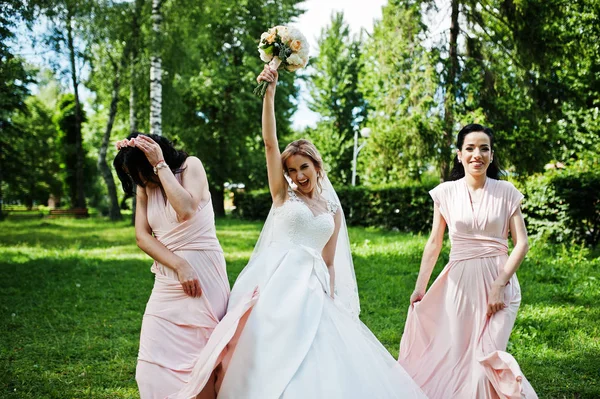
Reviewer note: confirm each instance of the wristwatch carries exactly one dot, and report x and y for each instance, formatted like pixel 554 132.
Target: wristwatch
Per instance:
pixel 160 165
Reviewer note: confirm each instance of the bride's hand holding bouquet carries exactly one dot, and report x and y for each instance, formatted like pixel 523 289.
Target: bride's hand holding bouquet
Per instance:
pixel 268 76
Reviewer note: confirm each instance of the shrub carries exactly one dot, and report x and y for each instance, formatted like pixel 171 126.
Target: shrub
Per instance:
pixel 564 206
pixel 560 206
pixel 252 205
pixel 406 208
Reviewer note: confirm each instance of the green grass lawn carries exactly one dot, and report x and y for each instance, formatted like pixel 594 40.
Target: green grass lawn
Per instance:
pixel 73 293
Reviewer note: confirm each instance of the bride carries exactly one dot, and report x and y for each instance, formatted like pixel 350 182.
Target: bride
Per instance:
pixel 292 328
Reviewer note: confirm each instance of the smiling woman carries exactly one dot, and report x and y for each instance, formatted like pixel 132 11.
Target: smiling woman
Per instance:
pixel 475 144
pixel 303 165
pixel 455 337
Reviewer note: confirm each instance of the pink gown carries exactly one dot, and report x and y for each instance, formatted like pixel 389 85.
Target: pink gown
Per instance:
pixel 449 346
pixel 176 326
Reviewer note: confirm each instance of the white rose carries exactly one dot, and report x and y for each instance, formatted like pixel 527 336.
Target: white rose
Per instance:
pixel 283 33
pixel 294 59
pixel 295 34
pixel 304 61
pixel 264 56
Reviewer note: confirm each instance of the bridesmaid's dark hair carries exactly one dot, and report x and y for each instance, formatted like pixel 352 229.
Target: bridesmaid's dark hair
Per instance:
pixel 133 168
pixel 458 170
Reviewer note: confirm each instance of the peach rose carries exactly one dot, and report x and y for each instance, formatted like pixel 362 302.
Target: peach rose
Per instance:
pixel 296 45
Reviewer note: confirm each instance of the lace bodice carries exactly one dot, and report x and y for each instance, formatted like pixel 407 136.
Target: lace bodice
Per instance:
pixel 294 222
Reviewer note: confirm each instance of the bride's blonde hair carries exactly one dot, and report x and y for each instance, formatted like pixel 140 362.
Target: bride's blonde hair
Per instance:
pixel 308 149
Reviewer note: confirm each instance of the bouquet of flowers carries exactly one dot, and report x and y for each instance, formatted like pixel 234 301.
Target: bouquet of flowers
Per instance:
pixel 282 47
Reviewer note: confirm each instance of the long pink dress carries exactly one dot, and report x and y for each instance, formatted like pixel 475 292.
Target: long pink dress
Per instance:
pixel 176 326
pixel 449 346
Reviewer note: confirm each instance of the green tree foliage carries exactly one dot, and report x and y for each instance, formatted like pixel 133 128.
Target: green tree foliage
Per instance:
pixel 557 44
pixel 333 86
pixel 13 92
pixel 32 170
pixel 66 123
pixel 527 69
pixel 13 88
pixel 211 63
pixel 495 91
pixel 113 43
pixel 67 36
pixel 564 206
pixel 401 86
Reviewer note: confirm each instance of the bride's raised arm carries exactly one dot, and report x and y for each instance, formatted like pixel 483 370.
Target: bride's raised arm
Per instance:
pixel 277 182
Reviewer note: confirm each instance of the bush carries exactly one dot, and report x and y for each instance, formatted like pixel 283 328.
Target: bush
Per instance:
pixel 252 205
pixel 559 206
pixel 406 208
pixel 564 206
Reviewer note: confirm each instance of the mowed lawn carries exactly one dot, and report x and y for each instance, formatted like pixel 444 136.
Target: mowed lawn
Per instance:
pixel 73 293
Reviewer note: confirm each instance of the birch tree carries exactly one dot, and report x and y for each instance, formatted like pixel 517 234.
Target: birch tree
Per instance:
pixel 156 70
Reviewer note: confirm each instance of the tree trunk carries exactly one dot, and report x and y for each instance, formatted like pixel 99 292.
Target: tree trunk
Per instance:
pixel 1 180
pixel 29 200
pixel 133 53
pixel 217 193
pixel 450 98
pixel 114 211
pixel 132 98
pixel 79 177
pixel 135 45
pixel 156 72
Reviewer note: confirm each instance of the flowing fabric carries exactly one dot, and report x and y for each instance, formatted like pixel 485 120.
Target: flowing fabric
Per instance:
pixel 346 288
pixel 176 326
pixel 449 346
pixel 284 336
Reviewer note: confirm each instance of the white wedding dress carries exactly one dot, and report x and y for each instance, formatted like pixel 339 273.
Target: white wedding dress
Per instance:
pixel 285 337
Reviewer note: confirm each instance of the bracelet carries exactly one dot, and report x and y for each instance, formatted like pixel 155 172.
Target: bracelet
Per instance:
pixel 160 165
pixel 162 160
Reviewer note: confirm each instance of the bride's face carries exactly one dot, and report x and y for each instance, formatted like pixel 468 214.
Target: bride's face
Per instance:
pixel 303 173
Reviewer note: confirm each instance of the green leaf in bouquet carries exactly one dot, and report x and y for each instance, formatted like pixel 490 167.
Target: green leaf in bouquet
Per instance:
pixel 268 49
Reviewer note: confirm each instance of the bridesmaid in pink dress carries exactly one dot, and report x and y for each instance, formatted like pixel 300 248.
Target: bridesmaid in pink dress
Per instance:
pixel 175 225
pixel 455 336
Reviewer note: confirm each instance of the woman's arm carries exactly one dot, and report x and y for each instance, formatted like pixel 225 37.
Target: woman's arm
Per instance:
pixel 430 255
pixel 185 197
pixel 157 251
pixel 277 182
pixel 328 252
pixel 519 237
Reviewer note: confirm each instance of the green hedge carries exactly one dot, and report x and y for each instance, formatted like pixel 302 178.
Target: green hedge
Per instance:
pixel 252 205
pixel 560 206
pixel 563 206
pixel 405 208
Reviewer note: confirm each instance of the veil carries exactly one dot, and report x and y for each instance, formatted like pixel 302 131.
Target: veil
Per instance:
pixel 346 291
